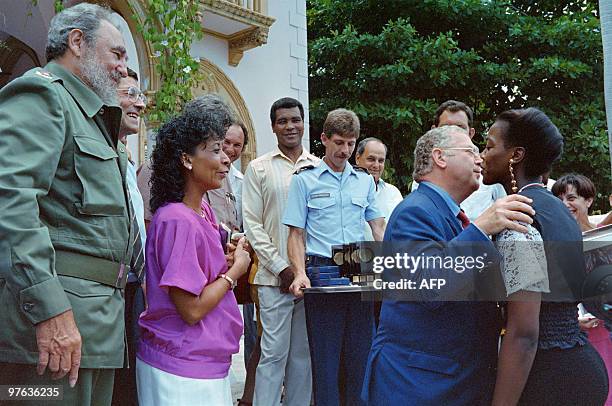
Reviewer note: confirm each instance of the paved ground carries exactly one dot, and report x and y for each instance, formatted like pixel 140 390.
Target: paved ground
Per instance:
pixel 238 371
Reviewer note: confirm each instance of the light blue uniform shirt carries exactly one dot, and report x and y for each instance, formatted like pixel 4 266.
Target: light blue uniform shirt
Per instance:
pixel 332 207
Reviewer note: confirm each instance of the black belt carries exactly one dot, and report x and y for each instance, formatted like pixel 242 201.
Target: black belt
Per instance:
pixel 316 260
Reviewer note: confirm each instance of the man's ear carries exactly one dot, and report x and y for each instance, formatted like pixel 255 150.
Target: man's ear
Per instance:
pixel 472 132
pixel 438 157
pixel 76 42
pixel 589 202
pixel 324 138
pixel 357 158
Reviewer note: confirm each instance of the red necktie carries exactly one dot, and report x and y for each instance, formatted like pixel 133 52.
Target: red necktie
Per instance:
pixel 465 221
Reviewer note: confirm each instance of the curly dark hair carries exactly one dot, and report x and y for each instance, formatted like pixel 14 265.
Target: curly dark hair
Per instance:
pixel 182 134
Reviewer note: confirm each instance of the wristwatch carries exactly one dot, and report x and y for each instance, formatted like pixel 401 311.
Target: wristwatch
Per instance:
pixel 229 279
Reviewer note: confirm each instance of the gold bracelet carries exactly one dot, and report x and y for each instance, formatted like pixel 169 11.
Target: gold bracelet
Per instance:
pixel 228 279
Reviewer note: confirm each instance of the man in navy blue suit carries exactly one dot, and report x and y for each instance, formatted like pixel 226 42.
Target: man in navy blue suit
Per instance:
pixel 441 352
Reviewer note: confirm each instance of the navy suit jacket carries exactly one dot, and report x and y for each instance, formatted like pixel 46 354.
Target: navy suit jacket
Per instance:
pixel 442 352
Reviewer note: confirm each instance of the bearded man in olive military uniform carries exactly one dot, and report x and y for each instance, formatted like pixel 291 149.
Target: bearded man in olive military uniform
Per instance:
pixel 66 239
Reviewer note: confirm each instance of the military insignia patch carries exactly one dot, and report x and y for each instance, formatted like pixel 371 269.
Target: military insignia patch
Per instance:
pixel 361 169
pixel 304 168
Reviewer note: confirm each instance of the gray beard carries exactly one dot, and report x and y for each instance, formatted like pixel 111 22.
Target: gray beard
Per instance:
pixel 100 81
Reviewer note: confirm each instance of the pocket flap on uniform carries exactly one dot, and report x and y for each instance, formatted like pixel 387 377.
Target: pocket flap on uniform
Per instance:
pixel 321 202
pixel 421 360
pixel 360 201
pixel 94 147
pixel 84 288
pixel 432 363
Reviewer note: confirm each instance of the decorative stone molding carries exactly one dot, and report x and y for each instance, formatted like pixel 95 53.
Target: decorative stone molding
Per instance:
pixel 238 13
pixel 254 17
pixel 243 41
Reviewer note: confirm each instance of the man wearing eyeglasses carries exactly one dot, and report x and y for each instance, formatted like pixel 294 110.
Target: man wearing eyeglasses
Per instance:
pixel 132 102
pixel 439 347
pixel 453 112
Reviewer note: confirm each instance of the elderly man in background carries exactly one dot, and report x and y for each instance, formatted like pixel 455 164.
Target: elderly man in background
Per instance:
pixel 66 236
pixel 371 155
pixel 132 102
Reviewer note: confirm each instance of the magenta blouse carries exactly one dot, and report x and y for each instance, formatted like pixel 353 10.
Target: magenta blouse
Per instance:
pixel 184 250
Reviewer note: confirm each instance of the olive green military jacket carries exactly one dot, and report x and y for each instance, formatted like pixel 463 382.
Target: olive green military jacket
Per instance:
pixel 64 215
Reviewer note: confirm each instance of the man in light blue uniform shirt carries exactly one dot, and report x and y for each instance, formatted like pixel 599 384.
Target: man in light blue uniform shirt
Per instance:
pixel 331 204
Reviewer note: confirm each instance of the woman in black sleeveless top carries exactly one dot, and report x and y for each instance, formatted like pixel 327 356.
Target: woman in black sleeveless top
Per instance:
pixel 544 358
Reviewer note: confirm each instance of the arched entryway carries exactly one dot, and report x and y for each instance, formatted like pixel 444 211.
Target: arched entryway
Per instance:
pixel 215 81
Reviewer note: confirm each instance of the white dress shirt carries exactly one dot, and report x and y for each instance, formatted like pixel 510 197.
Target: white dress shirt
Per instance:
pixel 236 178
pixel 264 196
pixel 387 197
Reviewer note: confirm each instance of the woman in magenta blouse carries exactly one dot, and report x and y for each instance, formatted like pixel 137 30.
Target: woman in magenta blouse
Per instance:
pixel 192 325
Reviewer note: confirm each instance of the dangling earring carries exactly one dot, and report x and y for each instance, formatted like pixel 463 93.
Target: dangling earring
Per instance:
pixel 190 167
pixel 512 178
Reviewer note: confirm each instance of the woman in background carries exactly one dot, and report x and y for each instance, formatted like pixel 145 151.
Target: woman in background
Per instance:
pixel 544 359
pixel 192 325
pixel 577 193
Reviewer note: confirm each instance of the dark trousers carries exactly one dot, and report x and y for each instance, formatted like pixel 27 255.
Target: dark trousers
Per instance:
pixel 250 330
pixel 124 390
pixel 340 329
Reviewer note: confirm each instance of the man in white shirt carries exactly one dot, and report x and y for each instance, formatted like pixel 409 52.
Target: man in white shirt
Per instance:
pixel 285 357
pixel 453 112
pixel 371 155
pixel 133 102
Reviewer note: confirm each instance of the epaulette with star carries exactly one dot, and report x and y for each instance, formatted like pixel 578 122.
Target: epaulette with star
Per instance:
pixel 304 168
pixel 361 169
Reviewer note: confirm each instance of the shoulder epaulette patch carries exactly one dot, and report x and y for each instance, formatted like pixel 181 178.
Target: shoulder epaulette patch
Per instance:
pixel 304 168
pixel 360 169
pixel 44 74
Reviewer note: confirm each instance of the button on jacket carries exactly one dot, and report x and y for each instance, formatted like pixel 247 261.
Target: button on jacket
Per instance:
pixel 65 210
pixel 332 207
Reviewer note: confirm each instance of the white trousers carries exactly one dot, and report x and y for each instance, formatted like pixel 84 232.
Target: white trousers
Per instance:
pixel 160 388
pixel 285 357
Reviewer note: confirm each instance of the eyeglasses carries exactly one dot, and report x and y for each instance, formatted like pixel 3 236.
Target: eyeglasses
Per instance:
pixel 134 94
pixel 474 150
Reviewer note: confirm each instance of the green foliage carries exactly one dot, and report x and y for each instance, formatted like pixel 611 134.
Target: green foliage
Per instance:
pixel 394 61
pixel 171 26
